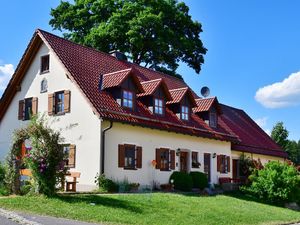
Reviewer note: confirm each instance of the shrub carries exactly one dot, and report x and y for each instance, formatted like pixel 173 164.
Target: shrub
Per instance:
pixel 2 173
pixel 105 184
pixel 199 180
pixel 276 183
pixel 182 181
pixel 3 190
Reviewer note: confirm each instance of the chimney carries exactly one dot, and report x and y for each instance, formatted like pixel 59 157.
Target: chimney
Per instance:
pixel 118 55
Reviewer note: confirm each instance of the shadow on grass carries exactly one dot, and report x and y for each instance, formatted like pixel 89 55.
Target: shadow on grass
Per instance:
pixel 99 200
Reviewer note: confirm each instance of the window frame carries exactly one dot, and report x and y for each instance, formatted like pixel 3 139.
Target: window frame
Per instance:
pixel 163 151
pixel 127 99
pixel 43 83
pixel 162 107
pixel 213 122
pixel 184 115
pixel 62 103
pixel 224 164
pixel 128 147
pixel 43 68
pixel 26 113
pixel 195 159
pixel 67 160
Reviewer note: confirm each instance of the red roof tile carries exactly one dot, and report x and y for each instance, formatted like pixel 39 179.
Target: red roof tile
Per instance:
pixel 204 104
pixel 253 138
pixel 151 86
pixel 86 65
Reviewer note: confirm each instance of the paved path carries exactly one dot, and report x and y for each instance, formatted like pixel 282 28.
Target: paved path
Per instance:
pixel 13 218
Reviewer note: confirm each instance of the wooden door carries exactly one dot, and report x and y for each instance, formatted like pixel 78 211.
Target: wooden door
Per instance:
pixel 183 162
pixel 235 169
pixel 207 162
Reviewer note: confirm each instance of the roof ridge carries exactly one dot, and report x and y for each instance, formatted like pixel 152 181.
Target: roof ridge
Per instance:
pixel 118 71
pixel 148 81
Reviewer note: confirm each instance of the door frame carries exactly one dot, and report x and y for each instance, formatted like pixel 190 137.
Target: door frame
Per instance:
pixel 188 160
pixel 209 167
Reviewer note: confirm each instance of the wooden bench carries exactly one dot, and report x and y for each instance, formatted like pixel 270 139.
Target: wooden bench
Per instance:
pixel 71 184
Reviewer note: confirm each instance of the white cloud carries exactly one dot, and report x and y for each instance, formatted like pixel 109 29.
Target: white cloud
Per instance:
pixel 262 122
pixel 281 94
pixel 6 71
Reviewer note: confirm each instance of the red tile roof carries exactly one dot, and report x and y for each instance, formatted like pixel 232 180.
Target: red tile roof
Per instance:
pixel 204 104
pixel 253 138
pixel 179 93
pixel 85 67
pixel 151 86
pixel 116 78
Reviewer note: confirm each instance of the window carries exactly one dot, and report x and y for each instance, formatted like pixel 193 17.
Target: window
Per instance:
pixel 195 161
pixel 28 109
pixel 165 159
pixel 127 100
pixel 213 119
pixel 45 64
pixel 130 156
pixel 223 163
pixel 69 151
pixel 184 113
pixel 59 102
pixel 158 106
pixel 44 86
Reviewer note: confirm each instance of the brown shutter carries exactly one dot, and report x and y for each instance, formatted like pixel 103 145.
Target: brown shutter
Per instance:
pixel 157 157
pixel 138 157
pixel 67 99
pixel 219 158
pixel 228 163
pixel 50 104
pixel 121 157
pixel 21 110
pixel 172 157
pixel 72 156
pixel 34 106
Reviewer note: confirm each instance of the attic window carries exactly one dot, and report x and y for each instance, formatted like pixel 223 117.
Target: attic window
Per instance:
pixel 45 64
pixel 184 113
pixel 127 100
pixel 158 106
pixel 44 86
pixel 213 120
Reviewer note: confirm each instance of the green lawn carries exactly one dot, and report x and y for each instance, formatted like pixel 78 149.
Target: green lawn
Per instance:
pixel 155 209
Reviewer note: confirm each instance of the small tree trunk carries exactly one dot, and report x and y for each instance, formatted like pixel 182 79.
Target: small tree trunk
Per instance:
pixel 17 183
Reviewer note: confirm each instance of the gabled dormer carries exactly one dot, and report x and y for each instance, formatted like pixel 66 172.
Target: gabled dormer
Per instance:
pixel 155 96
pixel 182 103
pixel 123 85
pixel 208 109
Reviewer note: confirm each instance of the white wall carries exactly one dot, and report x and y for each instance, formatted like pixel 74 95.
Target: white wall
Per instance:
pixel 263 158
pixel 85 131
pixel 151 139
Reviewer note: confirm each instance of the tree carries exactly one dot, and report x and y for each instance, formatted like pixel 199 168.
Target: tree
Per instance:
pixel 280 135
pixel 155 33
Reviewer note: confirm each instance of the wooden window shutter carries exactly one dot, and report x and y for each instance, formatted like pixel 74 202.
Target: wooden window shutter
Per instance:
pixel 219 159
pixel 138 157
pixel 50 104
pixel 21 110
pixel 157 158
pixel 121 157
pixel 67 99
pixel 172 157
pixel 34 106
pixel 228 163
pixel 72 156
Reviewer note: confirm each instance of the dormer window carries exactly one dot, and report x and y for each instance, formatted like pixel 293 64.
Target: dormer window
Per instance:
pixel 158 106
pixel 127 100
pixel 184 112
pixel 213 120
pixel 45 64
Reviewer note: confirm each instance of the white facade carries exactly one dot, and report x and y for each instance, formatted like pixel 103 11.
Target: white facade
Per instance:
pixel 149 140
pixel 80 127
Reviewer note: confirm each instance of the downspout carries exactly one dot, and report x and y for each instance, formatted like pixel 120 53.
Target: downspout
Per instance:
pixel 102 153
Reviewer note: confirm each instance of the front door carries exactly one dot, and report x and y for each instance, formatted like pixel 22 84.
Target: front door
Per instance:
pixel 184 162
pixel 207 165
pixel 235 169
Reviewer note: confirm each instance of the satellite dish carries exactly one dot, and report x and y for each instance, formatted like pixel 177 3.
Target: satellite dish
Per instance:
pixel 205 91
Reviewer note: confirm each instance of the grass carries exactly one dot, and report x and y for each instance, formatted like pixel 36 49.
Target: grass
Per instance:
pixel 158 208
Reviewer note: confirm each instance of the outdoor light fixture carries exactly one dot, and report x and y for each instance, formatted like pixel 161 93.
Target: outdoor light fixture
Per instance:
pixel 177 151
pixel 214 155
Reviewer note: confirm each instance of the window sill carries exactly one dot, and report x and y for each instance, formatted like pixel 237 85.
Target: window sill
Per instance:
pixel 166 170
pixel 129 168
pixel 44 72
pixel 59 114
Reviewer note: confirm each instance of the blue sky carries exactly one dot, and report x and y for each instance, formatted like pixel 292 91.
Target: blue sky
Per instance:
pixel 252 61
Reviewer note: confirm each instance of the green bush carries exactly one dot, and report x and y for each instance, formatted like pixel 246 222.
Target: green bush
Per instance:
pixel 3 190
pixel 182 181
pixel 199 180
pixel 276 183
pixel 105 184
pixel 2 173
